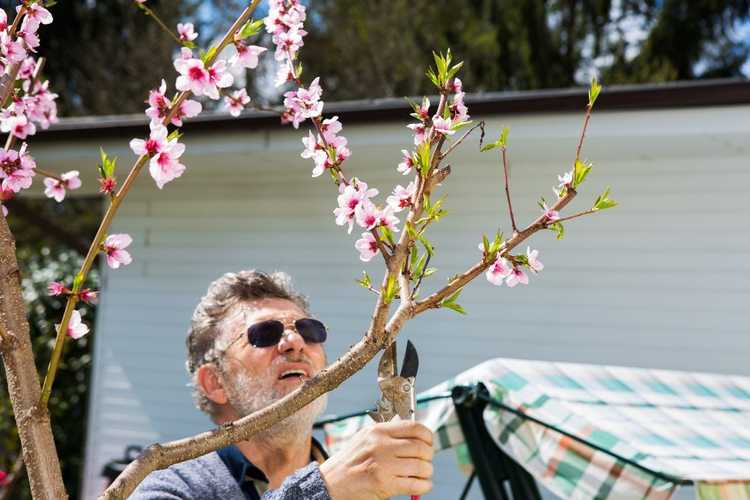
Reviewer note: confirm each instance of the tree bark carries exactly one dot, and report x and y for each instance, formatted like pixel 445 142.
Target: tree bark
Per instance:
pixel 33 422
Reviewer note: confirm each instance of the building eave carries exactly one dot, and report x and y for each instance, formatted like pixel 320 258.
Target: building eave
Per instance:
pixel 721 92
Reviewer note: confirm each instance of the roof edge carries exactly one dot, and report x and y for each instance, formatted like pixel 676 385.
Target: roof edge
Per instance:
pixel 719 92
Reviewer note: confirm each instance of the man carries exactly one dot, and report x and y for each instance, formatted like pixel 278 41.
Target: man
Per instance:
pixel 251 342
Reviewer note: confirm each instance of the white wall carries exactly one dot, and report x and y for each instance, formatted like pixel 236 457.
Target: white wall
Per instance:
pixel 660 281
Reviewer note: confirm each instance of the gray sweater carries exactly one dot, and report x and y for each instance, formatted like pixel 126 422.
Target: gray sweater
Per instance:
pixel 207 478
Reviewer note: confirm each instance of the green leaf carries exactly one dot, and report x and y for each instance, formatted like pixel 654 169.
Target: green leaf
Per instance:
pixel 386 235
pixel 422 158
pixel 455 307
pixel 429 271
pixel 603 202
pixel 496 243
pixel 414 255
pixel 50 3
pixel 580 171
pixel 433 77
pixel 174 135
pixel 558 228
pixel 391 287
pixel 501 141
pixel 594 91
pixel 365 281
pixel 418 271
pixel 208 55
pixel 485 244
pixel 455 295
pixel 251 28
pixel 190 45
pixel 427 245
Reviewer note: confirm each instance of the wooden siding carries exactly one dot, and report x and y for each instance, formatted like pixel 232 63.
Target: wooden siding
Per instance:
pixel 660 281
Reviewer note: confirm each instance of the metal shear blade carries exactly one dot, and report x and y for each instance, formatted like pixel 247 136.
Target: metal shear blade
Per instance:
pixel 397 391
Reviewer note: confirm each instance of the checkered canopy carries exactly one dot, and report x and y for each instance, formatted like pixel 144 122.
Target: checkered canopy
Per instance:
pixel 603 432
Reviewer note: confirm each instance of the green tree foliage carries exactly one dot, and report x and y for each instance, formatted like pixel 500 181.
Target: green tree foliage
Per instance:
pixel 374 49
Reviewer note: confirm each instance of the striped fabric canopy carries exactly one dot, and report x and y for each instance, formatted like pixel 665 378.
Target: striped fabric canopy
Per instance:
pixel 604 432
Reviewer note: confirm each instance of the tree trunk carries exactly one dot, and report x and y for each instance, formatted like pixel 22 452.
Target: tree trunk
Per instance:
pixel 39 452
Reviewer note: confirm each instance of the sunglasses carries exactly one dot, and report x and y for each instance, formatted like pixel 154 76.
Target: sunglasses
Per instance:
pixel 268 333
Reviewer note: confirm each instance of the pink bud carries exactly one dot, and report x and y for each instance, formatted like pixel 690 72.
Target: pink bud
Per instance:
pixel 55 288
pixel 89 296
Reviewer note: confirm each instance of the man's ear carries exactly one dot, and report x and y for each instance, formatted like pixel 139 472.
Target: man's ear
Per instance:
pixel 210 383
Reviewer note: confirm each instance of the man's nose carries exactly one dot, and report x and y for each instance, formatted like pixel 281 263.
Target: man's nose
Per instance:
pixel 291 341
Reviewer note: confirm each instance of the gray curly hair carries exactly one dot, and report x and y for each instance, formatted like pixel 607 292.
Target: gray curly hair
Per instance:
pixel 221 297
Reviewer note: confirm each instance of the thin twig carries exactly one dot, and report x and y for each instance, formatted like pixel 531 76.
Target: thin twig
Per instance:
pixel 461 139
pixel 48 174
pixel 161 24
pixel 381 246
pixel 583 131
pixel 507 189
pixel 575 216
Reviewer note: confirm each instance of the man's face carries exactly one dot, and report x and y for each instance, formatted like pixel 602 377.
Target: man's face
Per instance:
pixel 255 377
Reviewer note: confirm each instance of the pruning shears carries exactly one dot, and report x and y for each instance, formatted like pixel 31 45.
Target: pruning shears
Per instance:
pixel 398 396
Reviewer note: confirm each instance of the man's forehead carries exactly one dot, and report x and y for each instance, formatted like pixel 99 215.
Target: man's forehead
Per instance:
pixel 249 312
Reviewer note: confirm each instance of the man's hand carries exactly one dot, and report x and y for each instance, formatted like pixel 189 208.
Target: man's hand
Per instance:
pixel 380 461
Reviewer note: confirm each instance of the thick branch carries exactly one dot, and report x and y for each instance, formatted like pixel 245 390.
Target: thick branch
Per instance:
pixel 32 421
pixel 460 281
pixel 159 456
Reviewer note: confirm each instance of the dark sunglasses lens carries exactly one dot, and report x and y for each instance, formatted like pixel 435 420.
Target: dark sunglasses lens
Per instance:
pixel 265 333
pixel 311 330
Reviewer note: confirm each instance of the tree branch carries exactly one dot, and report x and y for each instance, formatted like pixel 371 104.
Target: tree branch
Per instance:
pixel 462 280
pixel 159 456
pixel 32 420
pixel 461 139
pixel 507 189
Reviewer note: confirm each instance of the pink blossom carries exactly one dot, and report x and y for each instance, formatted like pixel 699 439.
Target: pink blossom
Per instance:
pixel 76 329
pixel 442 125
pixel 13 50
pixel 330 127
pixel 283 74
pixel 107 185
pixel 156 142
pixel 56 188
pixel 188 109
pixel 17 124
pixel 565 180
pixel 187 32
pixel 89 296
pixel 55 288
pixel 114 247
pixel 165 166
pixel 237 102
pixel 219 78
pixel 27 68
pixel 407 162
pixel 402 196
pixel 534 263
pixel 456 87
pixel 3 474
pixel 516 276
pixel 419 132
pixel 424 109
pixel 158 104
pixel 458 109
pixel 367 246
pixel 246 56
pixel 304 103
pixel 39 103
pixel 3 20
pixel 351 195
pixel 284 23
pixel 16 169
pixel 549 214
pixel 387 219
pixel 498 271
pixel 29 38
pixel 193 77
pixel 36 14
pixel 314 149
pixel 367 215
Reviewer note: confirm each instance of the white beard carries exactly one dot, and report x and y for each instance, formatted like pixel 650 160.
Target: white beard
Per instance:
pixel 248 394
